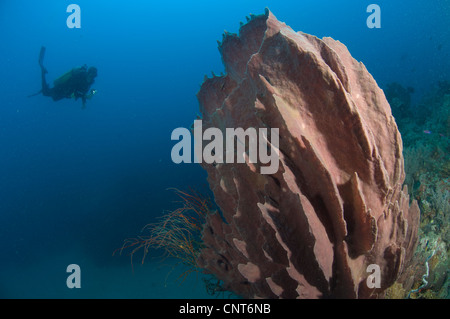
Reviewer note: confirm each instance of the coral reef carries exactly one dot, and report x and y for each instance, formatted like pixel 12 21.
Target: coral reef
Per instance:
pixel 336 204
pixel 425 132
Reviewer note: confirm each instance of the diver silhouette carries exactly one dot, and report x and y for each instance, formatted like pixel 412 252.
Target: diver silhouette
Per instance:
pixel 73 84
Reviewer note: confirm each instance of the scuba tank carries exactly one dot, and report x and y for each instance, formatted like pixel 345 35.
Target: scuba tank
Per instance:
pixel 69 74
pixel 63 78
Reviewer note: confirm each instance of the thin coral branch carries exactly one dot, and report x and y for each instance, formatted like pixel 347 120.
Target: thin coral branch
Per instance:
pixel 177 233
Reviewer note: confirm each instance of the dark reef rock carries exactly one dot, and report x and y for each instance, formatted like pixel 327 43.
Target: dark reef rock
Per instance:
pixel 336 203
pixel 399 98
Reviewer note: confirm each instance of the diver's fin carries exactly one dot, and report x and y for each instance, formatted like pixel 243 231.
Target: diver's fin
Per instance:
pixel 41 57
pixel 37 93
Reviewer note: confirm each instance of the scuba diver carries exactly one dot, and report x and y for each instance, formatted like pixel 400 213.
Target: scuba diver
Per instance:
pixel 73 84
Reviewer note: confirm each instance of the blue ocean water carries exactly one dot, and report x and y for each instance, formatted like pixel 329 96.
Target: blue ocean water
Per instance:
pixel 74 183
